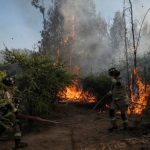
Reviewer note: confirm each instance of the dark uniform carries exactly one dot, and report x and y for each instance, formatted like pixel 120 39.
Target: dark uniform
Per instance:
pixel 119 99
pixel 8 116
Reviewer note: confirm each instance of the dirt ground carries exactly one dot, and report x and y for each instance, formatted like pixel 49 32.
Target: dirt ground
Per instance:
pixel 83 129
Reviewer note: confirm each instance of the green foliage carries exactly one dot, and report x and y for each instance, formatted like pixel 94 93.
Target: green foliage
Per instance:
pixel 98 85
pixel 39 82
pixel 14 55
pixel 2 76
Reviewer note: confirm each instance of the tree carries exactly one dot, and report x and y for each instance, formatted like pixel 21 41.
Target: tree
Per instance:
pixel 52 43
pixel 98 85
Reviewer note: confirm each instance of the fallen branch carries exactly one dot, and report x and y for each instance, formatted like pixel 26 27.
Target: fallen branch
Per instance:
pixel 34 118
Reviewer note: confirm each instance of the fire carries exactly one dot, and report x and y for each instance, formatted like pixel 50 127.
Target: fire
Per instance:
pixel 139 96
pixel 73 93
pixel 66 39
pixel 70 29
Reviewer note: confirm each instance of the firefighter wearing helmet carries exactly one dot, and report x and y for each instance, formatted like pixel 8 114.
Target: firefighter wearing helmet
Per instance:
pixel 8 111
pixel 119 99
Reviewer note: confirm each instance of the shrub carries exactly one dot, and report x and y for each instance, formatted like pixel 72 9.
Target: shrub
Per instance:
pixel 98 85
pixel 38 82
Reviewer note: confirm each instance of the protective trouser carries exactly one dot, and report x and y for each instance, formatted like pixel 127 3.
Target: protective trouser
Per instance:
pixel 112 117
pixel 122 107
pixel 9 121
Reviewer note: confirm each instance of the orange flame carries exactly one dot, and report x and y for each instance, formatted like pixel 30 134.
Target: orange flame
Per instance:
pixel 74 94
pixel 66 39
pixel 139 96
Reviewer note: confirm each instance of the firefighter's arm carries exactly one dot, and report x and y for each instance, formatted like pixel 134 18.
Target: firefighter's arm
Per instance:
pixel 8 98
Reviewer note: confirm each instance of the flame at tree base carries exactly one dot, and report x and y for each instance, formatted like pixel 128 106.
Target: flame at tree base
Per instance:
pixel 139 95
pixel 73 93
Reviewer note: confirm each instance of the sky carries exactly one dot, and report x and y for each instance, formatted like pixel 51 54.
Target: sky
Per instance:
pixel 21 23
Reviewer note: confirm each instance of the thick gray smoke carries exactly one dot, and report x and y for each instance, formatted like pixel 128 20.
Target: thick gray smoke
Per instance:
pixel 91 36
pixel 92 41
pixel 92 49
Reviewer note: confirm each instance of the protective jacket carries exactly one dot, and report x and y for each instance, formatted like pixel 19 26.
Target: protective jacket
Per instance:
pixel 8 115
pixel 119 94
pixel 7 110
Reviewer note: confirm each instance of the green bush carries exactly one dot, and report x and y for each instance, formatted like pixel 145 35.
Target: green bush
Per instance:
pixel 98 85
pixel 38 82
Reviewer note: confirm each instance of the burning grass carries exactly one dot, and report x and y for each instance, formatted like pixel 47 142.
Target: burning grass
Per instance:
pixel 139 95
pixel 73 93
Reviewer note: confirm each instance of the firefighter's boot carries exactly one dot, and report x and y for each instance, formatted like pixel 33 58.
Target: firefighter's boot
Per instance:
pixel 114 126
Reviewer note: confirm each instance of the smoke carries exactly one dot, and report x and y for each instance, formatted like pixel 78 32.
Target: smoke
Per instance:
pixel 140 12
pixel 92 49
pixel 144 44
pixel 91 40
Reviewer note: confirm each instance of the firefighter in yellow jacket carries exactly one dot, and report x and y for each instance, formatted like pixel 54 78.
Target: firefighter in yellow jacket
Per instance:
pixel 119 99
pixel 8 113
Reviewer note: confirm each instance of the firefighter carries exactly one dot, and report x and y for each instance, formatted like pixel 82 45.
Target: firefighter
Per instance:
pixel 119 100
pixel 8 113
